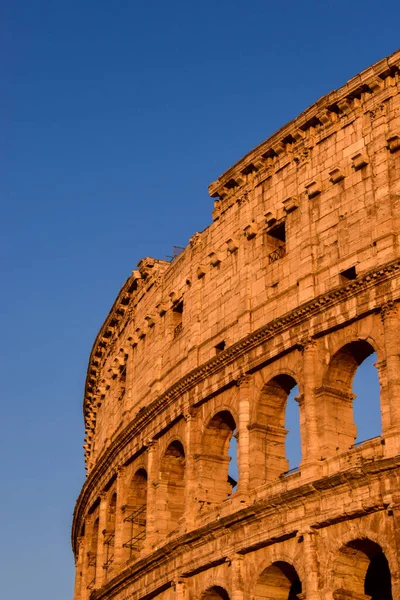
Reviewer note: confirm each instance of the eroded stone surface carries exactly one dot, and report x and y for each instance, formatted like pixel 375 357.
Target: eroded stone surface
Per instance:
pixel 296 281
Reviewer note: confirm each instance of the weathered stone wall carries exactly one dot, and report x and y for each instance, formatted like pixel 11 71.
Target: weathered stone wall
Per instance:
pixel 296 281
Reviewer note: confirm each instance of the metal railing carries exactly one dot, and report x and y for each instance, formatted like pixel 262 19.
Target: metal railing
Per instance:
pixel 178 330
pixel 276 254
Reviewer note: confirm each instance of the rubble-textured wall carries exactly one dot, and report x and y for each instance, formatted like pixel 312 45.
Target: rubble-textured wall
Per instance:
pixel 295 282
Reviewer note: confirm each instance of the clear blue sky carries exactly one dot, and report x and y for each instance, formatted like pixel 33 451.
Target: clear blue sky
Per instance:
pixel 114 118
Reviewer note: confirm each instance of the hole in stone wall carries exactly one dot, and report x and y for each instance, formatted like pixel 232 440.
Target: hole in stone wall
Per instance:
pixel 366 406
pixel 278 232
pixel 348 274
pixel 219 347
pixel 292 424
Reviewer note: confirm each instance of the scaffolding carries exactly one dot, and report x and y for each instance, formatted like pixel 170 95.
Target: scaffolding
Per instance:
pixel 92 563
pixel 109 544
pixel 137 519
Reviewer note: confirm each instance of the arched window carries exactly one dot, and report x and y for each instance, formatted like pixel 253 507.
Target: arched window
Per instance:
pixel 171 488
pixel 217 452
pixel 279 581
pixel 367 409
pixel 292 426
pixel 215 593
pixel 136 514
pixel 348 373
pixel 362 568
pixel 268 434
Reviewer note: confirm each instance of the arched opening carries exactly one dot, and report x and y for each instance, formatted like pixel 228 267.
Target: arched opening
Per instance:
pixel 279 581
pixel 136 514
pixel 233 469
pixel 215 593
pixel 367 409
pixel 292 426
pixel 218 464
pixel 350 371
pixel 171 488
pixel 362 569
pixel 275 434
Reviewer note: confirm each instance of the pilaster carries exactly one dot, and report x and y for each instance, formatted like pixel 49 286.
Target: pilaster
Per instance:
pixel 152 476
pixel 244 384
pixel 119 521
pixel 308 413
pixel 311 585
pixel 191 481
pixel 237 577
pixel 390 319
pixel 79 569
pixel 100 571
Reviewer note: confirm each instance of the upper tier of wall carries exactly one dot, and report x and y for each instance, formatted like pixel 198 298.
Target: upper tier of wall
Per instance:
pixel 314 206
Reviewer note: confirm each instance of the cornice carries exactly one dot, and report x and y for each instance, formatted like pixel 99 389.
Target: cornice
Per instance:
pixel 300 314
pixel 330 110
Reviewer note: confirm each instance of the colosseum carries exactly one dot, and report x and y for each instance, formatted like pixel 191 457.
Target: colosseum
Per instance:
pixel 295 283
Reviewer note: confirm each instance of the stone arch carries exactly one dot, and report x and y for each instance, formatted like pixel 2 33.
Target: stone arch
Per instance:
pixel 135 513
pixel 171 487
pixel 267 432
pixel 213 462
pixel 335 397
pixel 278 581
pixel 361 570
pixel 216 592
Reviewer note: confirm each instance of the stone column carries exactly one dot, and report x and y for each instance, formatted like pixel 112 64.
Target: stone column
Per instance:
pixel 152 477
pixel 311 585
pixel 243 384
pixel 79 569
pixel 119 522
pixel 390 318
pixel 100 572
pixel 309 418
pixel 237 577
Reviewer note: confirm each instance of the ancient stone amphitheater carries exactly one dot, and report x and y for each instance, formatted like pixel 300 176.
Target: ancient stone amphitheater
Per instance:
pixel 295 282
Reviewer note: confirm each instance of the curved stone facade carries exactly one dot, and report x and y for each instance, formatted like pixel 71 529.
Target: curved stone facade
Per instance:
pixel 296 281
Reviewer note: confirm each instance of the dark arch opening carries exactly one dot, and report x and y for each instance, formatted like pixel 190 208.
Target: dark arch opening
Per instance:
pixel 378 581
pixel 219 469
pixel 279 581
pixel 362 568
pixel 215 593
pixel 172 477
pixel 136 514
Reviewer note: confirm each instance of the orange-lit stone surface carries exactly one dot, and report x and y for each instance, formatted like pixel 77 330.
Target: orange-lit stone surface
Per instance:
pixel 295 282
